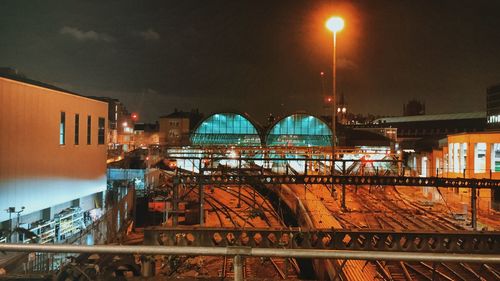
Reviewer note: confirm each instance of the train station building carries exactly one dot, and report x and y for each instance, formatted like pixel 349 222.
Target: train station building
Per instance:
pixel 232 129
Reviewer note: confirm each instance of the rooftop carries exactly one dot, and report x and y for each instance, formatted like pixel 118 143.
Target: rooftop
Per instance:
pixel 12 74
pixel 435 117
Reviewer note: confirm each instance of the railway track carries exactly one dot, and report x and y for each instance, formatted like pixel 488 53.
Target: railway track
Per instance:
pixel 228 216
pixel 387 208
pixel 411 216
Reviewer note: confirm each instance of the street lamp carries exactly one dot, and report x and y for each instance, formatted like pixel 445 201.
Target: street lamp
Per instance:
pixel 334 24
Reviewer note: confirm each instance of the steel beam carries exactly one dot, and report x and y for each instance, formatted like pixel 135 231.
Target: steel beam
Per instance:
pixel 239 178
pixel 252 252
pixel 341 239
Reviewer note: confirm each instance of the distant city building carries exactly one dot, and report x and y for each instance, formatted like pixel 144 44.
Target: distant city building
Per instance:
pixel 175 127
pixel 342 110
pixel 434 126
pixel 146 134
pixel 121 124
pixel 414 107
pixel 52 152
pixel 493 107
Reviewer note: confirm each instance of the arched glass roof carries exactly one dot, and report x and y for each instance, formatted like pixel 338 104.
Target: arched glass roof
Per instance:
pixel 299 130
pixel 226 129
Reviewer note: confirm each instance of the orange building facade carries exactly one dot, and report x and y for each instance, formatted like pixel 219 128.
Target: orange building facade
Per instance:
pixel 465 155
pixel 52 149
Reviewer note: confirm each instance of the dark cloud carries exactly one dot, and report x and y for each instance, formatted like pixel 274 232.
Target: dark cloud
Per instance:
pixel 149 34
pixel 81 35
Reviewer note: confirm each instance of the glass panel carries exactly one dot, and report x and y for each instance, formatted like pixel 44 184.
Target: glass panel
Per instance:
pixel 62 128
pixel 226 129
pixel 300 130
pixel 480 157
pixel 495 157
pixel 101 130
pixel 463 156
pixel 456 167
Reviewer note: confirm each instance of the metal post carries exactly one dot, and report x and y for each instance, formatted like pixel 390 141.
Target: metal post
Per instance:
pixel 239 185
pixel 147 266
pixel 343 205
pixel 287 266
pixel 175 203
pixel 202 199
pixel 238 268
pixel 9 238
pixel 334 101
pixel 473 208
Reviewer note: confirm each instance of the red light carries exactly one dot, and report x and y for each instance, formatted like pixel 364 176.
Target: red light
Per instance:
pixel 135 116
pixel 322 73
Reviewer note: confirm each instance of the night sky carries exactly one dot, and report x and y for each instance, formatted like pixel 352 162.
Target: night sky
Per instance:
pixel 258 56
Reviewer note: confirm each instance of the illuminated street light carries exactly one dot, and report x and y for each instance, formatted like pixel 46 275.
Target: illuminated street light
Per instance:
pixel 334 24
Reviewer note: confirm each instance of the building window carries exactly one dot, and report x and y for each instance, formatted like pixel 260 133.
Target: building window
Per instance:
pixel 495 157
pixel 62 128
pixel 89 129
pixel 456 158
pixel 77 129
pixel 463 156
pixel 480 157
pixel 100 130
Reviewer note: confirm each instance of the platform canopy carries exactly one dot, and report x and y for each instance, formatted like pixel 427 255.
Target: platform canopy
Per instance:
pixel 228 129
pixel 299 130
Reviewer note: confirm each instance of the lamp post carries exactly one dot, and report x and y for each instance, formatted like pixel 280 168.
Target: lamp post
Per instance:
pixel 334 24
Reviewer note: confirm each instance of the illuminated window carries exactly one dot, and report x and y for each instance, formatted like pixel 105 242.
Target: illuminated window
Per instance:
pixel 495 157
pixel 463 156
pixel 480 157
pixel 89 129
pixel 77 128
pixel 456 158
pixel 62 128
pixel 449 162
pixel 101 130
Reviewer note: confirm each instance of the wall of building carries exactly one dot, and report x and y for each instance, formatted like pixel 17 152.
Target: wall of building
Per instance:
pixel 475 157
pixel 471 155
pixel 36 171
pixel 174 131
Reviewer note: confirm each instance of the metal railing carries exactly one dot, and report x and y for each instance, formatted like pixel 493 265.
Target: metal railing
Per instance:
pixel 239 253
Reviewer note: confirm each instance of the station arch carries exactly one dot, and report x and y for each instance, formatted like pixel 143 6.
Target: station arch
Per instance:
pixel 299 129
pixel 226 129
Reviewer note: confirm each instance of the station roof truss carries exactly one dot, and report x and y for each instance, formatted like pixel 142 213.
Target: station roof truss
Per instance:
pixel 299 129
pixel 226 129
